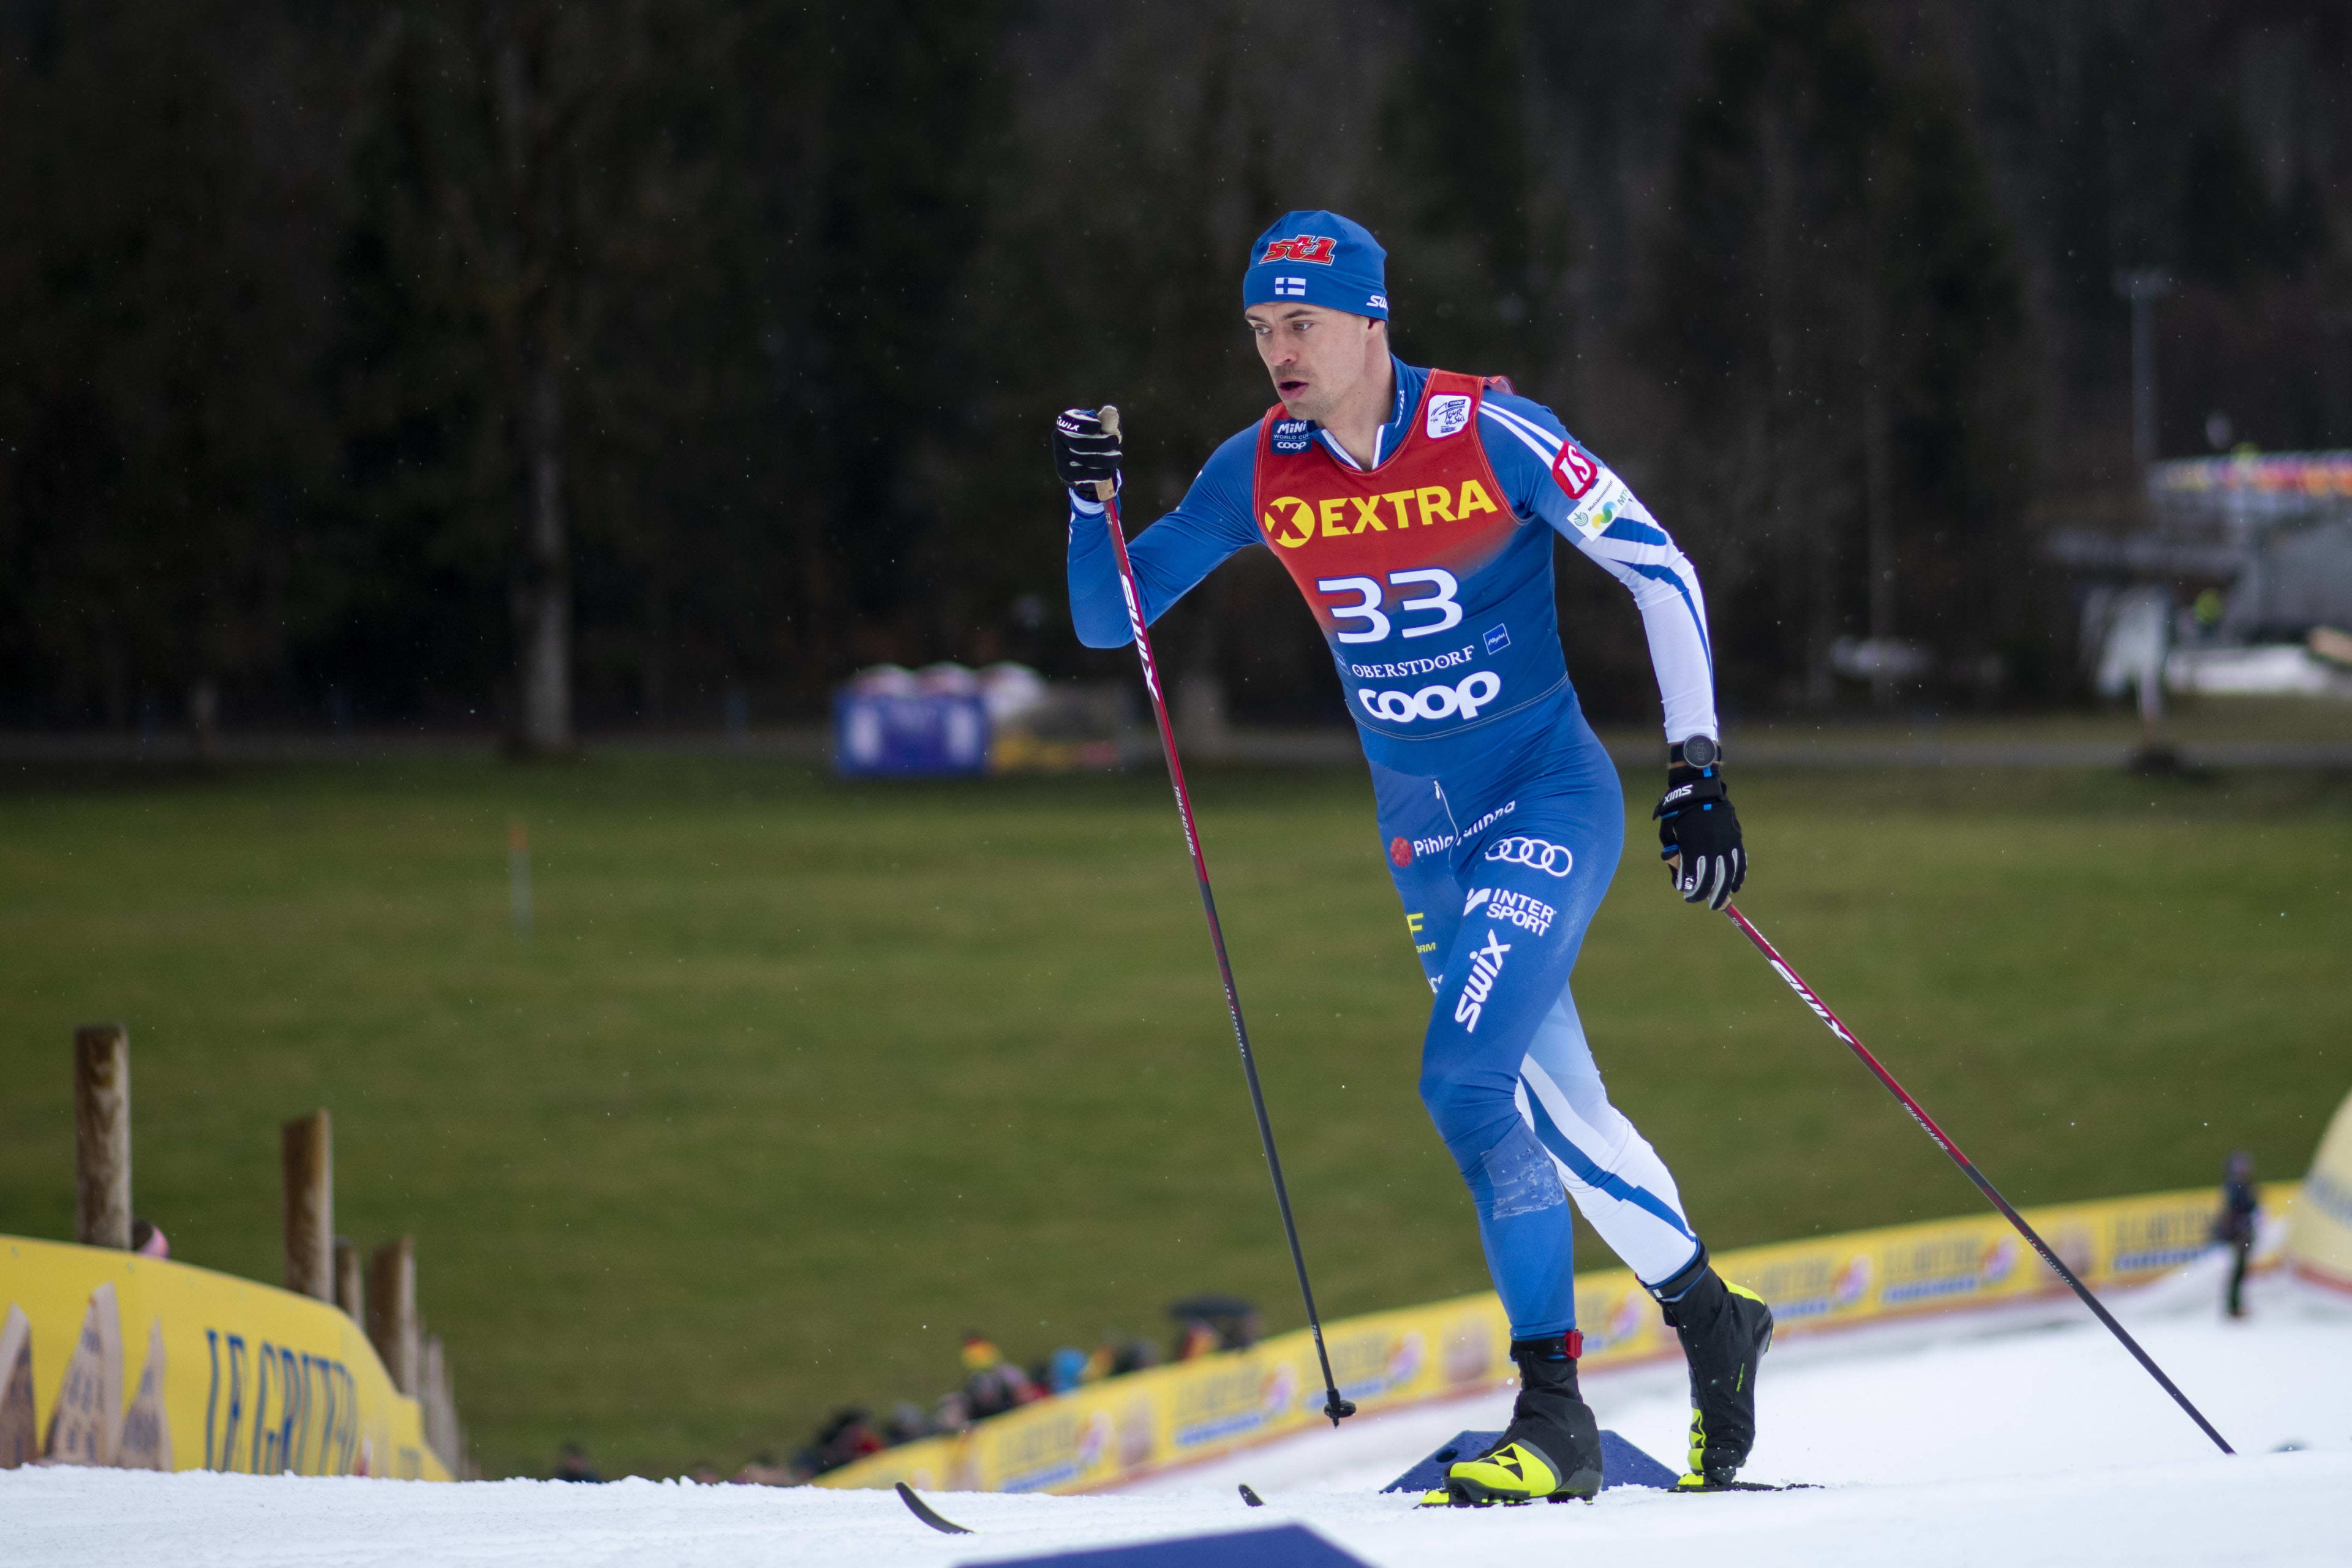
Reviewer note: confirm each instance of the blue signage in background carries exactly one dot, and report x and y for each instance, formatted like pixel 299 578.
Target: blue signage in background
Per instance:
pixel 1284 1546
pixel 908 736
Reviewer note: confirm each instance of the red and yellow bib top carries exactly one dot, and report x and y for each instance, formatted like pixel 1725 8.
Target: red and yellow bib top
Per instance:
pixel 1414 568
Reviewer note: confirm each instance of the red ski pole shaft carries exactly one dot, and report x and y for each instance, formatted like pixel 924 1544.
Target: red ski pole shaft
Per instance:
pixel 1107 493
pixel 1968 1167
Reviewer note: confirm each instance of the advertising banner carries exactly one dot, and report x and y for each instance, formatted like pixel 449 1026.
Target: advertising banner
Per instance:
pixel 1117 1430
pixel 109 1358
pixel 908 736
pixel 2319 1236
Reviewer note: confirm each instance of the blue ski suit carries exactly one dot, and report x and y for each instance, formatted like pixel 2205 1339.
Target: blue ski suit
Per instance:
pixel 1499 810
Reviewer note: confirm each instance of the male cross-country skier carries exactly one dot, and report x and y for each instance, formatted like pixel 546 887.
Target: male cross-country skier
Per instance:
pixel 1415 509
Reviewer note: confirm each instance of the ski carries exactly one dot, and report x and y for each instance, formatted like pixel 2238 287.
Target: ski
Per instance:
pixel 1447 1499
pixel 927 1514
pixel 1252 1498
pixel 1622 1463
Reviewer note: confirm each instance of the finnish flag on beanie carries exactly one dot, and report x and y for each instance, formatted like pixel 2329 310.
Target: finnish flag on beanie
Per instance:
pixel 1318 259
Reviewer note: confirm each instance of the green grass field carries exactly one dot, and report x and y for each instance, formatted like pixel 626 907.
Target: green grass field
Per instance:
pixel 796 1080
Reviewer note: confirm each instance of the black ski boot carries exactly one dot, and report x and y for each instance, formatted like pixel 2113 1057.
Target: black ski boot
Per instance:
pixel 1551 1448
pixel 1724 1330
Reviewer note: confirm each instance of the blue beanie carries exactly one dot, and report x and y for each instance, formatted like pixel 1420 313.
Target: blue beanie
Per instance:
pixel 1320 258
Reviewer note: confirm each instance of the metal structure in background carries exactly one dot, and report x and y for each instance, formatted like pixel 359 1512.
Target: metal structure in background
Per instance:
pixel 2143 286
pixel 1969 1168
pixel 2283 520
pixel 2259 546
pixel 1334 1406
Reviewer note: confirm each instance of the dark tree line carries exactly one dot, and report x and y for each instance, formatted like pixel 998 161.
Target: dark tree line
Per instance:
pixel 509 360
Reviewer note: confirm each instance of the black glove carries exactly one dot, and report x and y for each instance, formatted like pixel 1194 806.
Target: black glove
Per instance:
pixel 1698 828
pixel 1083 452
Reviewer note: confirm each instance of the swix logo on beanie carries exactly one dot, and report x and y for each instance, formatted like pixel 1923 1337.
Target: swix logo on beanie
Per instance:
pixel 1313 247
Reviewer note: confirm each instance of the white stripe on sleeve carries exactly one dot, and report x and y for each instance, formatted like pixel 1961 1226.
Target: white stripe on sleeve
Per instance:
pixel 1610 525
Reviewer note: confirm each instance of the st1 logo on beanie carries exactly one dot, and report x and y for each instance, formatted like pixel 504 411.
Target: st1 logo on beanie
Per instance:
pixel 1317 257
pixel 1313 247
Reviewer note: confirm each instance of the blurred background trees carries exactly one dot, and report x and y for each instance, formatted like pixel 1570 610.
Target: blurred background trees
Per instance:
pixel 521 365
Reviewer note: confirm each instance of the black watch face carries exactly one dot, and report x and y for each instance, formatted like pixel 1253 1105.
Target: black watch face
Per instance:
pixel 1699 752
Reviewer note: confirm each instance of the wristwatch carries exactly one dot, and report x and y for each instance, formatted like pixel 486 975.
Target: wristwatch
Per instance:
pixel 1698 752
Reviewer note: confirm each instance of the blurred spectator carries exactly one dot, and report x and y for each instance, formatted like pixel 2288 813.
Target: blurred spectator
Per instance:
pixel 991 1384
pixel 906 1424
pixel 1130 1355
pixel 2235 1224
pixel 848 1437
pixel 1063 1369
pixel 1196 1339
pixel 147 1241
pixel 703 1473
pixel 571 1465
pixel 1235 1322
pixel 763 1471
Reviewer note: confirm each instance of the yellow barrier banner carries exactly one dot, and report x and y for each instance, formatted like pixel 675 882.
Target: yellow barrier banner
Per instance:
pixel 109 1358
pixel 1873 1275
pixel 2319 1239
pixel 1108 1433
pixel 1116 1430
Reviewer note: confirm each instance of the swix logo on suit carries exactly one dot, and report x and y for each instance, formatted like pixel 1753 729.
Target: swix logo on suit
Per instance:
pixel 1486 968
pixel 1391 555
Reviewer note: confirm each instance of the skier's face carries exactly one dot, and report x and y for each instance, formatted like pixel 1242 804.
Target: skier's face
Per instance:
pixel 1318 357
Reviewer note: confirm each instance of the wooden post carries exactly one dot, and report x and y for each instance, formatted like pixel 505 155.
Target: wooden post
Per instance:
pixel 392 1311
pixel 308 1145
pixel 351 1284
pixel 441 1432
pixel 102 1136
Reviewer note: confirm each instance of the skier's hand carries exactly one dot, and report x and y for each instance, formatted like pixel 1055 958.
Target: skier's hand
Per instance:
pixel 1699 832
pixel 1083 452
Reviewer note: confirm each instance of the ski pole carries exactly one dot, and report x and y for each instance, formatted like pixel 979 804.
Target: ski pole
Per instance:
pixel 1969 1167
pixel 1107 493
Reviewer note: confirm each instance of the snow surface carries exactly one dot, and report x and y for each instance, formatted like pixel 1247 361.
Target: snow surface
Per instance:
pixel 2020 1439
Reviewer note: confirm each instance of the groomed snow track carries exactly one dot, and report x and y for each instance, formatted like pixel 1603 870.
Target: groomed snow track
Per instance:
pixel 2017 1438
